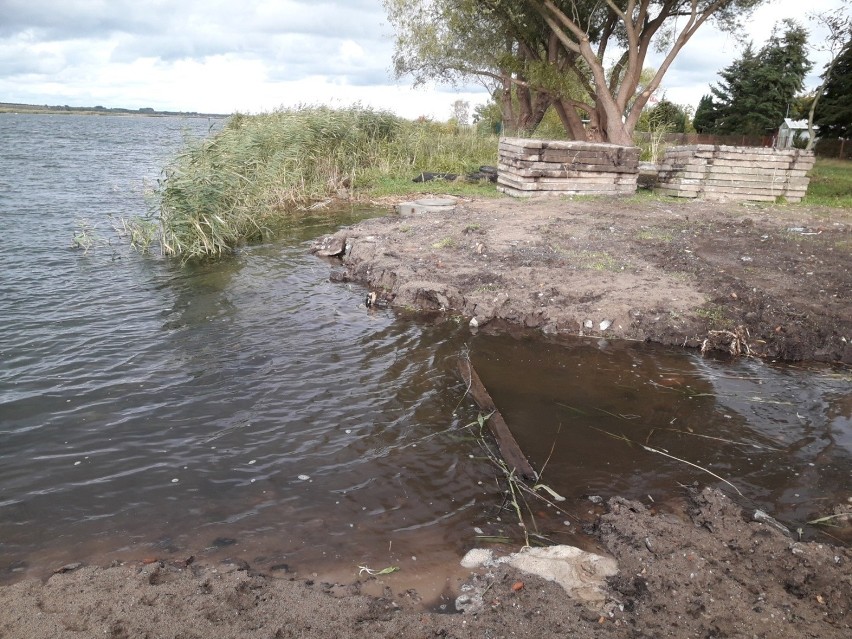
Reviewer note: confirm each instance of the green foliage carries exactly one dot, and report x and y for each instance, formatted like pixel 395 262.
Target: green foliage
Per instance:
pixel 550 127
pixel 488 118
pixel 756 90
pixel 705 115
pixel 664 115
pixel 232 187
pixel 140 232
pixel 834 110
pixel 86 237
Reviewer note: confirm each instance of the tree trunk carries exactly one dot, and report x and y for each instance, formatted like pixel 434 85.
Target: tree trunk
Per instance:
pixel 570 120
pixel 616 133
pixel 507 109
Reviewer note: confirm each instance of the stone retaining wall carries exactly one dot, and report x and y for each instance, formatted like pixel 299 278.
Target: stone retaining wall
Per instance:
pixel 735 173
pixel 557 167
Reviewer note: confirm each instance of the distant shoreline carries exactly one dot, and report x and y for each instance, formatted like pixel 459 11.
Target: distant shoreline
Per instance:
pixel 31 109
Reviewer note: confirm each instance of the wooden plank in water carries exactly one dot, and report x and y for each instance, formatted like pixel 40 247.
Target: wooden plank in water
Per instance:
pixel 509 448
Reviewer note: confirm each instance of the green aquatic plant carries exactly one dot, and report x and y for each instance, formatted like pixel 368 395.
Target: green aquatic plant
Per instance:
pixel 86 237
pixel 141 232
pixel 233 187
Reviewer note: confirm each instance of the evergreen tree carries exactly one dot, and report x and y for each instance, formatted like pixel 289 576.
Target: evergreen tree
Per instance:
pixel 706 115
pixel 734 95
pixel 834 109
pixel 757 89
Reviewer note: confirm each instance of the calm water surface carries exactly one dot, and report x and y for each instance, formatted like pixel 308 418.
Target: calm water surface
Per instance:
pixel 253 409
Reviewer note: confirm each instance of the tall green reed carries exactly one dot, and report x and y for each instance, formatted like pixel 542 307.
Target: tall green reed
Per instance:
pixel 230 188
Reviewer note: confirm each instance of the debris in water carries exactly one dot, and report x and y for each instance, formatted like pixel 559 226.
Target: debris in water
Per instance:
pixel 304 477
pixel 376 573
pixel 762 517
pixel 67 568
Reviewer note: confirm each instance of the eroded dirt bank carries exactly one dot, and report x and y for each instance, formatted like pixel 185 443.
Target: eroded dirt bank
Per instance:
pixel 705 571
pixel 674 272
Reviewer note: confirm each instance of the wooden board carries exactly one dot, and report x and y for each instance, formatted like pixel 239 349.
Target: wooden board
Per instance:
pixel 509 449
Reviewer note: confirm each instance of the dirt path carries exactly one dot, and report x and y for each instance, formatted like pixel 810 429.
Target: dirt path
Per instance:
pixel 773 278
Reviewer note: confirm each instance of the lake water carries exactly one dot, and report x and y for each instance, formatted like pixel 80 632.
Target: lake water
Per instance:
pixel 253 410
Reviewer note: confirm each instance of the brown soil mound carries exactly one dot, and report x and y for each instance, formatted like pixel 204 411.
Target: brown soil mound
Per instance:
pixel 773 281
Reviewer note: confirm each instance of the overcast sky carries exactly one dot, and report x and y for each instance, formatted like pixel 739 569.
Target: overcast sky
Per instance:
pixel 223 56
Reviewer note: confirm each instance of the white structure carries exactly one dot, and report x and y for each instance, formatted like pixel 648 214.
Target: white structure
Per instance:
pixel 790 131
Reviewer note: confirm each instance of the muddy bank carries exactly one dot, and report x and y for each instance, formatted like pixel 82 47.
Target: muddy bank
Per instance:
pixel 770 280
pixel 704 570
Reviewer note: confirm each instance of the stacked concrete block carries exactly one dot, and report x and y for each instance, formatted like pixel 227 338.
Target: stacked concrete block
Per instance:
pixel 556 167
pixel 735 173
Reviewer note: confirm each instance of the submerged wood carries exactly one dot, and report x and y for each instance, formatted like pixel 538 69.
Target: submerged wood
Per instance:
pixel 509 448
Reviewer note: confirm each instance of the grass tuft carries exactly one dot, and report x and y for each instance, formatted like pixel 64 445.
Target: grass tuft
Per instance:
pixel 831 184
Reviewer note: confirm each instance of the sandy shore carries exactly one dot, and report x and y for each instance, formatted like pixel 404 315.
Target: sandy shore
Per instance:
pixel 707 570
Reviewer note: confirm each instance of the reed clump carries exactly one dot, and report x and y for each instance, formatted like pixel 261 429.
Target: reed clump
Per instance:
pixel 231 187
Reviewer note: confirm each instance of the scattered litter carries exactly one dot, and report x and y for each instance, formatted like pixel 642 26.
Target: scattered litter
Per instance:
pixel 588 324
pixel 67 568
pixel 746 258
pixel 549 490
pixel 304 477
pixel 175 480
pixel 605 324
pixel 474 323
pixel 376 573
pixel 762 517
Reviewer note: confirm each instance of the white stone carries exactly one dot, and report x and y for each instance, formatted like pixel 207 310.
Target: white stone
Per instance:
pixel 582 574
pixel 476 558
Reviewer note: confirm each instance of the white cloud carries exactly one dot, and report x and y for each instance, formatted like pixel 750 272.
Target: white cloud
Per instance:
pixel 257 55
pixel 710 50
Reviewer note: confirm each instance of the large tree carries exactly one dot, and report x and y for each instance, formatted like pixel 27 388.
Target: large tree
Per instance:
pixel 758 89
pixel 555 51
pixel 449 41
pixel 834 111
pixel 836 116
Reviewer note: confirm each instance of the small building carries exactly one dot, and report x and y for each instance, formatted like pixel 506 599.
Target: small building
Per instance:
pixel 792 131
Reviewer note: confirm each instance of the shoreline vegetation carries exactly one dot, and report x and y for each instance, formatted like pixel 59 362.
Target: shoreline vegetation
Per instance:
pixel 46 109
pixel 232 187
